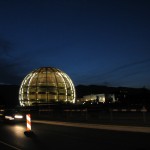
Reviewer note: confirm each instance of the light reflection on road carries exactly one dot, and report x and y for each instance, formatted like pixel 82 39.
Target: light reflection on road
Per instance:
pixel 18 130
pixel 98 126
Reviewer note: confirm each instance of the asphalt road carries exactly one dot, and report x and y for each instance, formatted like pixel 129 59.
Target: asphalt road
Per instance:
pixel 58 136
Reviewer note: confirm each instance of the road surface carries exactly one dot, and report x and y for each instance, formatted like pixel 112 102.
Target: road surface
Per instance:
pixel 72 136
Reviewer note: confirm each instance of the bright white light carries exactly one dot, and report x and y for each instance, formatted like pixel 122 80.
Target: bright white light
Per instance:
pixel 18 116
pixel 9 117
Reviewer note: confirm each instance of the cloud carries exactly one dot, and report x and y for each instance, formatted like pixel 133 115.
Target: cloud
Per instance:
pixel 129 65
pixel 8 63
pixel 118 75
pixel 5 47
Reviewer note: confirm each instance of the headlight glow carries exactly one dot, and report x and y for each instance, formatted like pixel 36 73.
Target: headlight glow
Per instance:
pixel 18 116
pixel 9 117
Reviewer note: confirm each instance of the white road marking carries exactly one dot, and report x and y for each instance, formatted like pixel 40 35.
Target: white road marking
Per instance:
pixel 98 126
pixel 10 145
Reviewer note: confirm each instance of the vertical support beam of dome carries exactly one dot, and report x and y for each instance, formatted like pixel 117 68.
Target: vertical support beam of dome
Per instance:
pixel 22 90
pixel 46 86
pixel 72 87
pixel 64 84
pixel 36 86
pixel 29 85
pixel 74 92
pixel 28 88
pixel 54 70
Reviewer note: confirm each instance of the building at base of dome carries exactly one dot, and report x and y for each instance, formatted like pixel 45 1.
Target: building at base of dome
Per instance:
pixel 46 85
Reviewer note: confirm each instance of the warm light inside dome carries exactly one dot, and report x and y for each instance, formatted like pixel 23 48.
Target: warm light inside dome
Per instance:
pixel 46 85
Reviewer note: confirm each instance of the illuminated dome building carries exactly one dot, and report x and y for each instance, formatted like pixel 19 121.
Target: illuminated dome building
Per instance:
pixel 46 85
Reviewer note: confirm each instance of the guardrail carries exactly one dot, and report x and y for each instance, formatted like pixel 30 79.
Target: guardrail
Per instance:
pixel 95 115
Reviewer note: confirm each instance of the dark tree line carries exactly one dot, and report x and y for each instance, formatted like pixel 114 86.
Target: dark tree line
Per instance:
pixel 9 95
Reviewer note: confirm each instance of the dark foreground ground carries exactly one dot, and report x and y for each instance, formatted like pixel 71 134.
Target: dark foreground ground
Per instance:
pixel 56 137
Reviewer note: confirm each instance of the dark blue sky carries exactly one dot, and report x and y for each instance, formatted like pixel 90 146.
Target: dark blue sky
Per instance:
pixel 95 42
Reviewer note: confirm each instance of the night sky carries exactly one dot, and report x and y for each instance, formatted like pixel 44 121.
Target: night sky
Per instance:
pixel 103 42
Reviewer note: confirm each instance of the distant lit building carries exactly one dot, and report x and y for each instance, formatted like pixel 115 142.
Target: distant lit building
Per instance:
pixel 98 98
pixel 46 85
pixel 95 97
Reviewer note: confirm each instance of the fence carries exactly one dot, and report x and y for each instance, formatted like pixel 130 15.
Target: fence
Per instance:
pixel 119 116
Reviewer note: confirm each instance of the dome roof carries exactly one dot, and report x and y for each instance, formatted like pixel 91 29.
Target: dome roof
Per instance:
pixel 46 85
